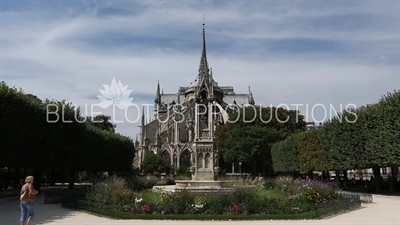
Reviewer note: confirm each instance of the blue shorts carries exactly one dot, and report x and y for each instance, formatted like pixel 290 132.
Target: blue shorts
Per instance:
pixel 27 210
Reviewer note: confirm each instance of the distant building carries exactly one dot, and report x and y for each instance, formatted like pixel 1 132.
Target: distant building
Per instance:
pixel 313 126
pixel 366 174
pixel 182 131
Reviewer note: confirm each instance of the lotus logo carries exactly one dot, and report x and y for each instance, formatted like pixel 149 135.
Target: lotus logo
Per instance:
pixel 116 94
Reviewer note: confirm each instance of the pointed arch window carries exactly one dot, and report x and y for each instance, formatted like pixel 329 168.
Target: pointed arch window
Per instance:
pixel 167 158
pixel 184 160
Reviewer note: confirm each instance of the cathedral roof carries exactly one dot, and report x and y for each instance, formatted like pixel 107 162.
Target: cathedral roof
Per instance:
pixel 169 98
pixel 237 99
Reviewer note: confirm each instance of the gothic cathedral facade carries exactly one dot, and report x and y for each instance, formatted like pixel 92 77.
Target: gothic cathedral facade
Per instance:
pixel 182 130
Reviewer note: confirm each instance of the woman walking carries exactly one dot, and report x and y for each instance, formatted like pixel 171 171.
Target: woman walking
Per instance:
pixel 27 204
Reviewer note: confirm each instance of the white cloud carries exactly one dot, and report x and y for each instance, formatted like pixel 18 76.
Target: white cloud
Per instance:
pixel 62 54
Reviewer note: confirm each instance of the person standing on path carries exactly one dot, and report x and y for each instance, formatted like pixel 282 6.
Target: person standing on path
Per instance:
pixel 27 204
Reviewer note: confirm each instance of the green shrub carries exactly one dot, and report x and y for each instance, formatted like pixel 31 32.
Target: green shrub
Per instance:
pixel 283 183
pixel 316 192
pixel 170 181
pixel 183 177
pixel 165 202
pixel 269 184
pixel 123 196
pixel 218 202
pixel 183 202
pixel 301 193
pixel 248 199
pixel 153 163
pixel 137 183
pixel 103 191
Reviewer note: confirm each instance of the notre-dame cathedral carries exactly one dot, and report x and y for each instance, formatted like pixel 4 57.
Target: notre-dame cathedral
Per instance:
pixel 182 130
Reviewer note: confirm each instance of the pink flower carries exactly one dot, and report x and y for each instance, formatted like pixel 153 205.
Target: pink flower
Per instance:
pixel 235 208
pixel 145 208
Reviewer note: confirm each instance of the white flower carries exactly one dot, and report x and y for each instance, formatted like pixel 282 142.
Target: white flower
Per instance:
pixel 115 94
pixel 138 200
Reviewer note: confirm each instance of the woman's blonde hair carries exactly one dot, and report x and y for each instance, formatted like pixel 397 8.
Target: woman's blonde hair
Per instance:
pixel 29 179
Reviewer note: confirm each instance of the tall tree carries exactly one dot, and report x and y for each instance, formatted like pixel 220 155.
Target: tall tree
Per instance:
pixel 366 137
pixel 285 154
pixel 152 163
pixel 250 132
pixel 102 121
pixel 311 152
pixel 50 135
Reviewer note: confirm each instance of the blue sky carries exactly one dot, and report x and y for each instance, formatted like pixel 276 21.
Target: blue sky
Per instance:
pixel 290 52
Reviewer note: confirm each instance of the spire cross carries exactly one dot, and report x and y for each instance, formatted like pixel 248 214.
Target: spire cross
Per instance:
pixel 204 38
pixel 203 61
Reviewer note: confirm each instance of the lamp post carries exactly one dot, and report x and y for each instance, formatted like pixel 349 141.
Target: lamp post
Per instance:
pixel 240 169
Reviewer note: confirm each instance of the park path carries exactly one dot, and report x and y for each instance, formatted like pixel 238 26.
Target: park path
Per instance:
pixel 384 211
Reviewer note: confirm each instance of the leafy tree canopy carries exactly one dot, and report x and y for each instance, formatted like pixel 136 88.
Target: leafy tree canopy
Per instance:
pixel 152 163
pixel 250 132
pixel 102 121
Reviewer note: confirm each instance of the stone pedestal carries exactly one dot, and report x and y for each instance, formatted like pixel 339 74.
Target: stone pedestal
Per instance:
pixel 204 186
pixel 202 183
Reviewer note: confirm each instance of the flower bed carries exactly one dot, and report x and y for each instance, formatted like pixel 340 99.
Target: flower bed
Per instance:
pixel 293 199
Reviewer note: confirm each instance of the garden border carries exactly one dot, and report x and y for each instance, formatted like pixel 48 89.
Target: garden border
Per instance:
pixel 348 202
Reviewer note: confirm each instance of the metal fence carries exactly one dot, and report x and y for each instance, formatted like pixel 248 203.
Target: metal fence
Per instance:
pixel 364 197
pixel 348 202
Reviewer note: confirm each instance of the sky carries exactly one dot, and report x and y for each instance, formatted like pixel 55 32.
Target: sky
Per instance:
pixel 319 55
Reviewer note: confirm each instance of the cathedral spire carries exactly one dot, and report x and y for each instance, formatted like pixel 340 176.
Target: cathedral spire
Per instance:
pixel 158 94
pixel 143 122
pixel 203 68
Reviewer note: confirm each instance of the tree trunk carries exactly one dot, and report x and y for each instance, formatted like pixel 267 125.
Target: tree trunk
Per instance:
pixel 345 175
pixel 37 174
pixel 378 183
pixel 255 169
pixel 337 178
pixel 264 165
pixel 311 175
pixel 324 175
pixel 394 171
pixel 17 175
pixel 295 175
pixel 52 177
pixel 71 179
